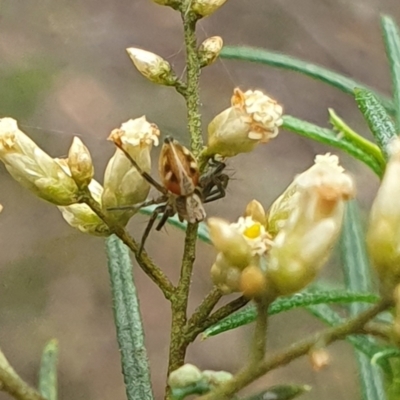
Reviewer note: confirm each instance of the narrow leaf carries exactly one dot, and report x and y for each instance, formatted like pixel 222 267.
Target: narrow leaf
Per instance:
pixel 48 371
pixel 357 274
pixel 314 71
pixel 378 120
pixel 128 322
pixel 392 43
pixel 248 314
pixel 329 137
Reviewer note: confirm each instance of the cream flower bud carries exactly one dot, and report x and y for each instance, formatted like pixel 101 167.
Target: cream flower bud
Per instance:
pixel 80 163
pixel 33 168
pixel 225 276
pixel 1 208
pixel 184 376
pixel 81 217
pixel 206 7
pixel 383 235
pixel 209 50
pixel 215 378
pixel 152 66
pixel 230 242
pixel 253 118
pixel 256 211
pixel 123 184
pixel 303 243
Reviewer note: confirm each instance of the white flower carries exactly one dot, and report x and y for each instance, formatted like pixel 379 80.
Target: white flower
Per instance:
pixel 312 219
pixel 253 118
pixel 33 168
pixel 81 217
pixel 123 184
pixel 383 236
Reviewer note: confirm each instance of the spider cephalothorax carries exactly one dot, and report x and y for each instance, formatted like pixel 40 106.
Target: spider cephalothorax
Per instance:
pixel 183 190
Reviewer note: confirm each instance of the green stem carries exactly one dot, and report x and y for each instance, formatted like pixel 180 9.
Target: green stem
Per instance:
pixel 12 383
pixel 48 371
pixel 216 317
pixel 178 345
pixel 128 322
pixel 259 343
pixel 255 371
pixel 193 79
pixel 205 308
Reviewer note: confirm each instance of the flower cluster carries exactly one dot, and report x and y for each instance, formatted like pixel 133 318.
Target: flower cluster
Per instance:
pixel 281 253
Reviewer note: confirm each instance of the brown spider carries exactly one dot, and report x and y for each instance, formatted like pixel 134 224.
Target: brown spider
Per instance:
pixel 183 190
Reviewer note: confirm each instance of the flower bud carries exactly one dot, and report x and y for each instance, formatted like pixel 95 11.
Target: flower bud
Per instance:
pixel 80 163
pixel 81 217
pixel 253 118
pixel 152 66
pixel 205 8
pixel 256 211
pixel 123 183
pixel 230 242
pixel 184 376
pixel 1 208
pixel 383 235
pixel 319 358
pixel 33 168
pixel 253 282
pixel 315 216
pixel 225 276
pixel 209 50
pixel 216 378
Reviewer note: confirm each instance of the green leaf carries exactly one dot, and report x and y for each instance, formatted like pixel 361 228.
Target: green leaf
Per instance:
pixel 392 43
pixel 350 135
pixel 378 120
pixel 128 322
pixel 329 137
pixel 357 274
pixel 48 371
pixel 317 72
pixel 248 314
pixel 280 392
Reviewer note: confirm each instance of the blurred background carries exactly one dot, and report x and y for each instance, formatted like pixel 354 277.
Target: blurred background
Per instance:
pixel 64 72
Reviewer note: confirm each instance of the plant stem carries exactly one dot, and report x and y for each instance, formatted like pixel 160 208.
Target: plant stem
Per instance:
pixel 259 343
pixel 217 316
pixel 12 383
pixel 256 370
pixel 193 78
pixel 178 344
pixel 146 264
pixel 205 308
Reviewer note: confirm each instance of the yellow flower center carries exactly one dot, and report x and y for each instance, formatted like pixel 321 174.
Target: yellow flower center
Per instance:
pixel 253 231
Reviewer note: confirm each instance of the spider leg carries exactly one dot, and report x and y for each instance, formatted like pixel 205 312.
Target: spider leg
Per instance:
pixel 150 224
pixel 137 206
pixel 145 175
pixel 169 212
pixel 217 190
